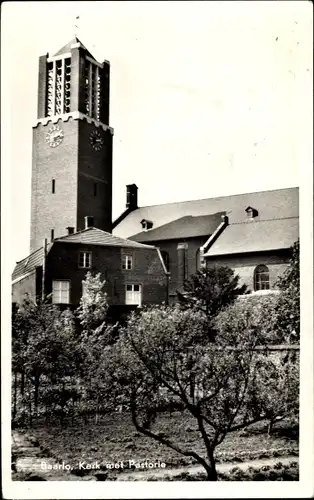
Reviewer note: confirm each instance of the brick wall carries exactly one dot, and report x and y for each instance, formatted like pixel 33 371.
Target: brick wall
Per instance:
pixel 62 263
pixel 94 167
pixel 30 285
pixel 76 167
pixel 53 211
pixel 170 246
pixel 244 265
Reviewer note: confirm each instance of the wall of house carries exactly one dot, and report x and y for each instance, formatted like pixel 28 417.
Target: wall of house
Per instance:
pixel 62 263
pixel 244 265
pixel 176 262
pixel 29 286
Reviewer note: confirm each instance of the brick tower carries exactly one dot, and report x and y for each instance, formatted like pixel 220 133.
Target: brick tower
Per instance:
pixel 72 145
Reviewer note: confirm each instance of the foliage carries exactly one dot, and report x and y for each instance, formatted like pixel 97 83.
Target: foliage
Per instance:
pixel 95 338
pixel 43 340
pixel 211 289
pixel 158 361
pixel 93 307
pixel 44 350
pixel 257 316
pixel 254 314
pixel 288 309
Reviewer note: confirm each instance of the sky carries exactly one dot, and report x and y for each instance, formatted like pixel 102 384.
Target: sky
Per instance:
pixel 207 98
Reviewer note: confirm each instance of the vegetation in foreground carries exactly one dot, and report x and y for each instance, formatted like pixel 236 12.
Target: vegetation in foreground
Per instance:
pixel 202 361
pixel 114 438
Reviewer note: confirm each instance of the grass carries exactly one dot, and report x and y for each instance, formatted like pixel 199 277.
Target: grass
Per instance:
pixel 115 439
pixel 282 472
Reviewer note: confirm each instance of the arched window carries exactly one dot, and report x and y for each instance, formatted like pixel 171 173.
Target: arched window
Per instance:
pixel 261 278
pixel 166 260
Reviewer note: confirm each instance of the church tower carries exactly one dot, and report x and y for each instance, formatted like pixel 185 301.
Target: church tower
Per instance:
pixel 72 145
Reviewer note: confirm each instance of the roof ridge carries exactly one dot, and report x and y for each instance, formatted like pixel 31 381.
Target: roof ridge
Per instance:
pixel 28 256
pixel 119 238
pixel 81 231
pixel 216 197
pixel 262 220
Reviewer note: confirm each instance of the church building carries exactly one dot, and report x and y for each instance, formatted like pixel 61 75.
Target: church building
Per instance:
pixel 251 233
pixel 147 253
pixel 71 209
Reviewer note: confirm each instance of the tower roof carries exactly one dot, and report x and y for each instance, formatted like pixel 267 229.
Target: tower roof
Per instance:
pixel 67 47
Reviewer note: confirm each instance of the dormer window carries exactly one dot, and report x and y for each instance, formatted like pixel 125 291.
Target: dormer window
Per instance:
pixel 251 212
pixel 146 224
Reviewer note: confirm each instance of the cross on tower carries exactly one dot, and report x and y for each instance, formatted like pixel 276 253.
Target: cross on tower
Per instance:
pixel 76 25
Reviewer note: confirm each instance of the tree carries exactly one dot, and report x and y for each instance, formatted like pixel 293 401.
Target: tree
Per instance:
pixel 93 307
pixel 43 347
pixel 96 335
pixel 278 371
pixel 211 289
pixel 152 364
pixel 288 309
pixel 254 314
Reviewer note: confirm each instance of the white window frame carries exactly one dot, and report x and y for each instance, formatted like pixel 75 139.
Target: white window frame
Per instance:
pixel 134 300
pixel 127 262
pixel 261 278
pixel 58 293
pixel 85 253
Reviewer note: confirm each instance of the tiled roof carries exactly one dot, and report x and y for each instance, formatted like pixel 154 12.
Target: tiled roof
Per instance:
pixel 256 236
pixel 185 227
pixel 92 236
pixel 274 204
pixel 28 264
pixel 95 236
pixel 67 48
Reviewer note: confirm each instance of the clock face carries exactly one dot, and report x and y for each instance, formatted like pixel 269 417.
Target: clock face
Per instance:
pixel 54 136
pixel 95 140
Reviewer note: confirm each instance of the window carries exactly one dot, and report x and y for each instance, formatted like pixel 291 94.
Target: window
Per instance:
pixel 165 257
pixel 85 259
pixel 127 263
pixel 133 295
pixel 93 89
pixel 146 224
pixel 52 236
pixel 58 87
pixel 53 186
pixel 251 212
pixel 261 278
pixel 61 292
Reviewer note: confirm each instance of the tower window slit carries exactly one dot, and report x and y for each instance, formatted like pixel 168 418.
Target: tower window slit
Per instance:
pixel 58 106
pixel 53 186
pixel 86 94
pixel 50 90
pixel 93 89
pixel 67 85
pixel 59 87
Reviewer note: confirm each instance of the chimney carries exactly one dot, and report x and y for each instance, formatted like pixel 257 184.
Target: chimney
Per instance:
pixel 131 196
pixel 89 221
pixel 70 230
